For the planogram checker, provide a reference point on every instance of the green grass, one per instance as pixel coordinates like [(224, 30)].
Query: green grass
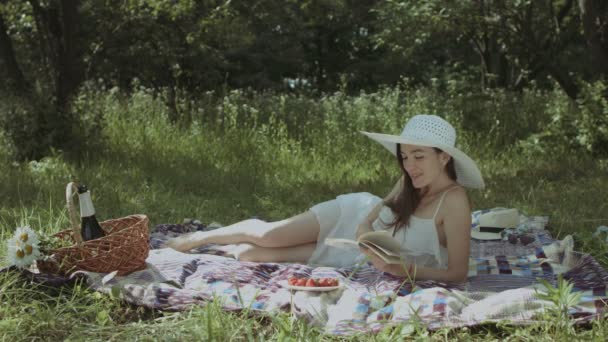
[(272, 156)]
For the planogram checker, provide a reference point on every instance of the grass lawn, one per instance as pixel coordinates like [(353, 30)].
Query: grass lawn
[(271, 157)]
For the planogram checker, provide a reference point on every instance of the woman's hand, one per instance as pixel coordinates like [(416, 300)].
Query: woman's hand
[(376, 260), (399, 270), (362, 229)]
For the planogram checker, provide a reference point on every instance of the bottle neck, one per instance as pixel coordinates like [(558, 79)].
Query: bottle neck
[(86, 205)]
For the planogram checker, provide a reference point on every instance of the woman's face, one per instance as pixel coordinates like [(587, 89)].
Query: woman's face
[(423, 164)]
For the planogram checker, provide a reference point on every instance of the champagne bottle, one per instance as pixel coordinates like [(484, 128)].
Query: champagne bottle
[(90, 228)]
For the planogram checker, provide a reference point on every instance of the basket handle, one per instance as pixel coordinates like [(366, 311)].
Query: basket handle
[(70, 191)]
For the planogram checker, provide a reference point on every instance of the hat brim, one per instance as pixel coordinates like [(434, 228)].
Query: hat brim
[(485, 235), (467, 172)]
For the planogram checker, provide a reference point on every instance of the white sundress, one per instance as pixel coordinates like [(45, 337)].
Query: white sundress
[(420, 242)]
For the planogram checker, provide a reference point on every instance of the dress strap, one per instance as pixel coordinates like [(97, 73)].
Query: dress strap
[(441, 200)]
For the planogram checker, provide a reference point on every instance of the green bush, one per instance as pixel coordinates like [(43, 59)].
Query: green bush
[(592, 124), (578, 126), (25, 125)]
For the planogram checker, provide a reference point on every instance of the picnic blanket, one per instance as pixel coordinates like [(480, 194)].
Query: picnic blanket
[(502, 285)]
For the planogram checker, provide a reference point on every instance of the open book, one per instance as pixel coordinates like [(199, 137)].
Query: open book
[(381, 243)]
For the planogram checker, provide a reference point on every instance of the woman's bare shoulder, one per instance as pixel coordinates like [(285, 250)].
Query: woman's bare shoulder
[(456, 211), (457, 199)]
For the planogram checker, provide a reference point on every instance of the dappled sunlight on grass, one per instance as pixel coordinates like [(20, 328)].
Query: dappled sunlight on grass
[(274, 156)]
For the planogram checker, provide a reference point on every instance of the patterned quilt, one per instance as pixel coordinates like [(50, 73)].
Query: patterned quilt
[(503, 284)]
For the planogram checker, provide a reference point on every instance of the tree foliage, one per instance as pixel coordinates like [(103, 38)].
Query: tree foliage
[(49, 48), (202, 45)]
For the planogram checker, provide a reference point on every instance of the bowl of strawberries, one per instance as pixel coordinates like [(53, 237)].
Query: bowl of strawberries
[(313, 284)]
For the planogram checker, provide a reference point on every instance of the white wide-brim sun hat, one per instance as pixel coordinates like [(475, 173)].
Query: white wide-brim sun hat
[(433, 131), (491, 224)]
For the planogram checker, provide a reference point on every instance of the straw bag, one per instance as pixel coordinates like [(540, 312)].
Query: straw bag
[(124, 248)]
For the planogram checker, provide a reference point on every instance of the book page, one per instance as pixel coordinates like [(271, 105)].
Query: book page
[(341, 243), (386, 255), (389, 259), (383, 240)]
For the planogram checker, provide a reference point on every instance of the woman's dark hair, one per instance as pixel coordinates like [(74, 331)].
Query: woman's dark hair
[(407, 200)]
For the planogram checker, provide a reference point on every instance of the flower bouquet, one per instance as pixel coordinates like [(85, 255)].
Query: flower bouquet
[(23, 248), (26, 247)]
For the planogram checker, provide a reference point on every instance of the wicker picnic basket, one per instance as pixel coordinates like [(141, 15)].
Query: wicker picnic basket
[(124, 248)]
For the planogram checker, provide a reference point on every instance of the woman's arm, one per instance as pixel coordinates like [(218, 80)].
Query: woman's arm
[(366, 225), (457, 226)]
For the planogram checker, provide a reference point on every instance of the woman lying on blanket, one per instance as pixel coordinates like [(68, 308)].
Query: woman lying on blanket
[(428, 210)]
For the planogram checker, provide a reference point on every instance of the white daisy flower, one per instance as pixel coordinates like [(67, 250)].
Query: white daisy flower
[(23, 247), (27, 235)]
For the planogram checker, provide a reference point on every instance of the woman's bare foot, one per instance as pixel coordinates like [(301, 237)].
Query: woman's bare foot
[(185, 242)]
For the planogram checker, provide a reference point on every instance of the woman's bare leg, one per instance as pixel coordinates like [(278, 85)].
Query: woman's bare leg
[(297, 230), (250, 252)]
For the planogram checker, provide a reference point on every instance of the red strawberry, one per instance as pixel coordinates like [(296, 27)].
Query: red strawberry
[(292, 281), (311, 283), (323, 282), (301, 282), (333, 282)]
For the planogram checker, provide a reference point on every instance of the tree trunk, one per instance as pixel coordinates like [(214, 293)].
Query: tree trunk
[(67, 64), (483, 49), (320, 58), (50, 125), (594, 15), (8, 63), (58, 27), (564, 79)]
